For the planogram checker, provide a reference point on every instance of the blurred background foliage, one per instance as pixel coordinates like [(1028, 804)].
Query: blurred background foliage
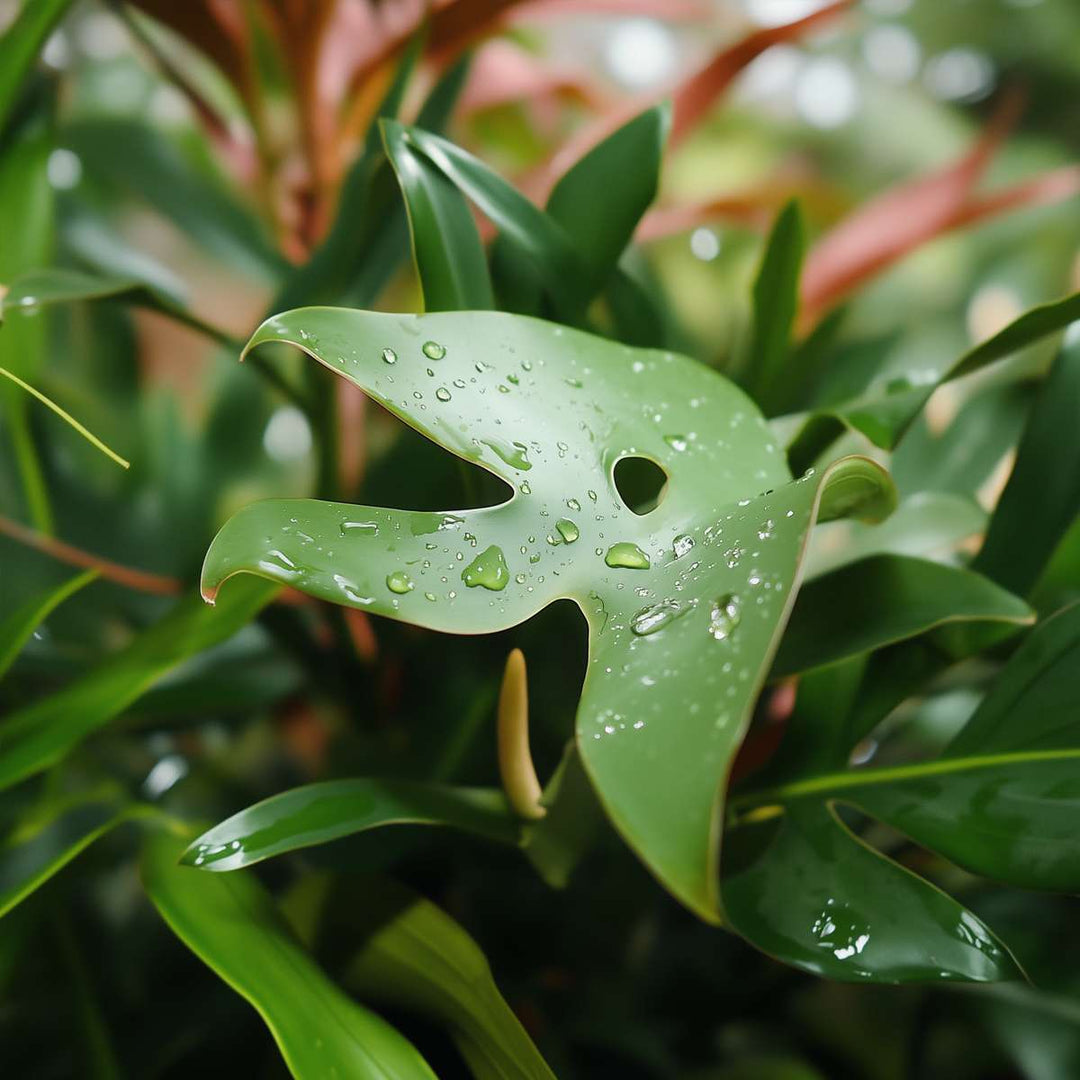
[(204, 149)]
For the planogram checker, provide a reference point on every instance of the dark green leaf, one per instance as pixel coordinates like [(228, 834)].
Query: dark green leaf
[(230, 922), (1042, 498), (35, 737), (20, 44)]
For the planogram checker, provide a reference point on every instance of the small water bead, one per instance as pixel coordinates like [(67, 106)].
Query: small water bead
[(592, 495), (488, 570), (626, 556), (682, 545), (430, 596), (442, 394), (656, 616), (512, 378), (389, 356), (363, 528), (573, 504), (525, 489), (519, 578), (575, 383), (515, 454), (567, 530), (433, 350), (399, 582), (459, 383), (724, 616), (676, 442), (534, 557)]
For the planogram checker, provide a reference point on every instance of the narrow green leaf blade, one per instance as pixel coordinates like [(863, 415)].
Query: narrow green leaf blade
[(230, 922), (446, 245), (885, 599), (319, 813), (35, 737), (20, 45), (18, 625)]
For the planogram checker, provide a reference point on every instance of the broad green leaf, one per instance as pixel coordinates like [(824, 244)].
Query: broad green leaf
[(35, 737), (929, 524), (27, 213), (20, 44), (42, 846), (414, 957), (885, 413), (17, 626), (231, 923), (1042, 498), (318, 813), (776, 301), (447, 250), (814, 895), (884, 599), (1001, 801), (684, 605), (57, 285)]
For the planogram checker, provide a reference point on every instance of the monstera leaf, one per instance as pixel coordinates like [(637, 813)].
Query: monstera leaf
[(685, 604)]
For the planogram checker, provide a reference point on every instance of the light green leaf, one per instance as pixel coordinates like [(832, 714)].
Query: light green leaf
[(685, 604), (231, 923)]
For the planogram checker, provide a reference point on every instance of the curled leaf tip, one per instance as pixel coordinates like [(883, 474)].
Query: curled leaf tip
[(523, 790)]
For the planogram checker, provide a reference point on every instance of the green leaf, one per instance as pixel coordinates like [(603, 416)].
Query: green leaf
[(808, 891), (884, 599), (1041, 501), (35, 737), (1001, 801), (776, 302), (685, 605), (562, 269), (20, 44), (231, 923), (43, 288), (17, 626), (27, 225), (883, 414), (318, 813), (414, 957), (446, 245), (601, 198), (44, 844)]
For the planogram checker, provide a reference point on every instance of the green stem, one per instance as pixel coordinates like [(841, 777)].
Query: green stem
[(827, 783)]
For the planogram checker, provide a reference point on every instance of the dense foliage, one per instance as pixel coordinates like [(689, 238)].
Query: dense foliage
[(556, 649)]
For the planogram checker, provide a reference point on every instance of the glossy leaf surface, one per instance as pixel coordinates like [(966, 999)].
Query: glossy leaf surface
[(39, 735), (20, 44), (684, 604), (318, 813), (882, 600), (231, 923)]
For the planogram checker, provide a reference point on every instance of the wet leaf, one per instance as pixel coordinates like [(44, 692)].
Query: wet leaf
[(685, 604), (319, 813)]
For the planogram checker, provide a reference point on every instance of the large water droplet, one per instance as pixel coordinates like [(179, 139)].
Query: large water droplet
[(488, 569), (724, 616), (433, 350), (573, 504), (442, 394), (656, 616), (389, 356), (567, 530), (399, 582), (362, 528), (626, 556), (682, 545)]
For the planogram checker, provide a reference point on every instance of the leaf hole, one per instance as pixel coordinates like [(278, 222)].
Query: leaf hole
[(641, 483)]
